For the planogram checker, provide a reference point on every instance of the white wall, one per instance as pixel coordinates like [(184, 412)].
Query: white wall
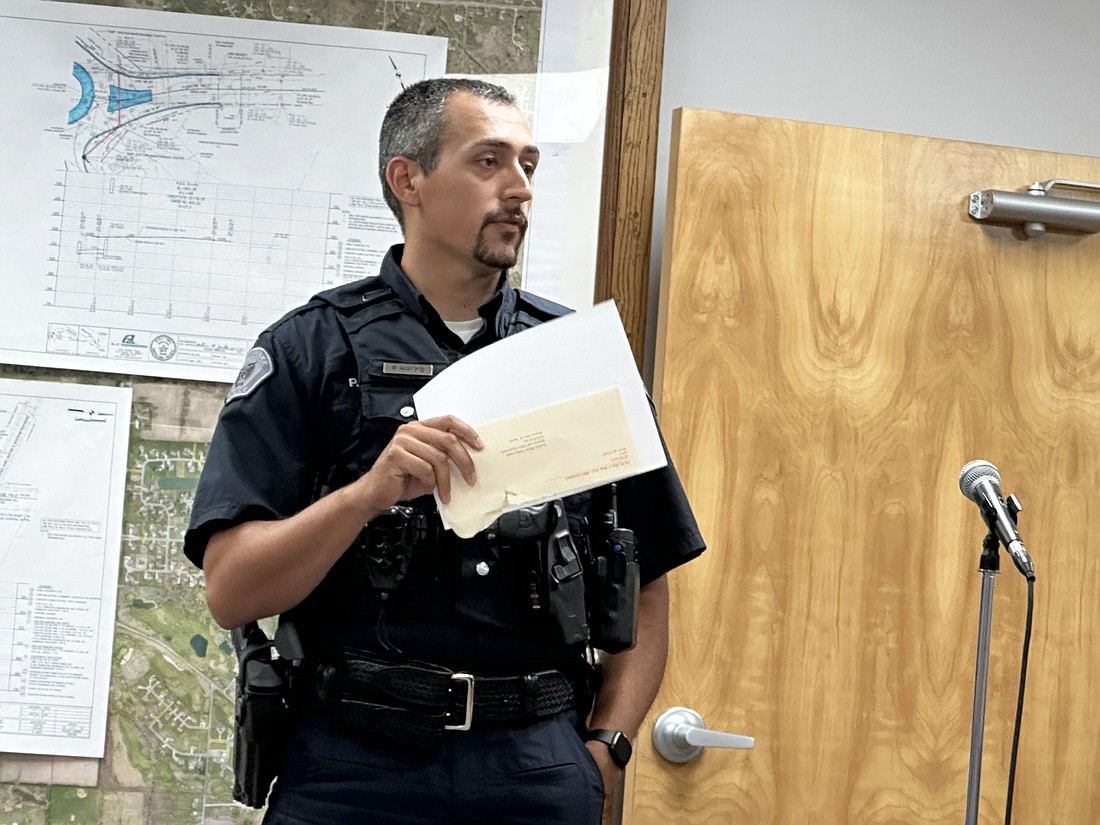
[(1020, 73)]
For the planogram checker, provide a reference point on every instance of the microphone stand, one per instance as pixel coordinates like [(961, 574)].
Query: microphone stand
[(989, 566)]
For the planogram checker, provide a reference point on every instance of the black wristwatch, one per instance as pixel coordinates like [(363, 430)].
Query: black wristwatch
[(616, 742)]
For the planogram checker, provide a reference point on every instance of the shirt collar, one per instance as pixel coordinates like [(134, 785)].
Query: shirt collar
[(497, 311)]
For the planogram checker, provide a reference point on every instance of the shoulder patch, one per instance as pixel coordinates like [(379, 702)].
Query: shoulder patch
[(258, 367)]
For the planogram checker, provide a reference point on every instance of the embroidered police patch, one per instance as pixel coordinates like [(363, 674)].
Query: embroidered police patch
[(258, 367)]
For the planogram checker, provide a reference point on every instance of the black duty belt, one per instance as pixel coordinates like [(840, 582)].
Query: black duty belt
[(414, 704)]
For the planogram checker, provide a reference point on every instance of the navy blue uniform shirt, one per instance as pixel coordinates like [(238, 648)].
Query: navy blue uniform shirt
[(303, 419)]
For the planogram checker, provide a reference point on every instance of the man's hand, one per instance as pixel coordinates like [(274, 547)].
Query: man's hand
[(415, 462), (609, 772), (418, 459)]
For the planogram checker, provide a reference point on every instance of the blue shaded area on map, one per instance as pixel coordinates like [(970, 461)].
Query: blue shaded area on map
[(87, 94), (119, 98)]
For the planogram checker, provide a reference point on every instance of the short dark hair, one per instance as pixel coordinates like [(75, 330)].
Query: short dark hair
[(414, 124)]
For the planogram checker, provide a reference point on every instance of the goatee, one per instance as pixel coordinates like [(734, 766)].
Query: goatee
[(500, 257)]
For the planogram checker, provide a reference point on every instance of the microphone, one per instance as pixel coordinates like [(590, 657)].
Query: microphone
[(980, 482)]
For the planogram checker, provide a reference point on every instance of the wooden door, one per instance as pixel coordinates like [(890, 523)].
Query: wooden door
[(837, 338)]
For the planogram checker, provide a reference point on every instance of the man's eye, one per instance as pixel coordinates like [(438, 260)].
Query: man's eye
[(529, 169), (488, 161)]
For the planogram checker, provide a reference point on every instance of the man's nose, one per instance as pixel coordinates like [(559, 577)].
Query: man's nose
[(518, 184)]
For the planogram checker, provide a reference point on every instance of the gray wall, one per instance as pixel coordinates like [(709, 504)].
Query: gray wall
[(1020, 73)]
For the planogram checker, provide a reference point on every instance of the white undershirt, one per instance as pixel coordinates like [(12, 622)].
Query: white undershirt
[(466, 330)]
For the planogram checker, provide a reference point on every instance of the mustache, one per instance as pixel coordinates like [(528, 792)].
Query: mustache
[(509, 215)]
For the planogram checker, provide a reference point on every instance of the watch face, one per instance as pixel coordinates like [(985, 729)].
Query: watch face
[(617, 744), (621, 750)]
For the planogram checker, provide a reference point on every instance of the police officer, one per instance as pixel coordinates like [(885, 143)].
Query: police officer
[(315, 503)]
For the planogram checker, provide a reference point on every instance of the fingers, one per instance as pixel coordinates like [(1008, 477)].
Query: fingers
[(436, 443), (450, 424), (427, 461), (452, 436)]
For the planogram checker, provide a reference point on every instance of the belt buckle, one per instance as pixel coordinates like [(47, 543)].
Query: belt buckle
[(469, 680)]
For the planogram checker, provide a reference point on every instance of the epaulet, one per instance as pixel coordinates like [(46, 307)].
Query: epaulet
[(355, 295), (541, 309), (362, 300)]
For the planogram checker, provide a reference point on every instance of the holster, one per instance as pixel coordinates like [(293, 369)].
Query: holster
[(262, 718), (556, 585)]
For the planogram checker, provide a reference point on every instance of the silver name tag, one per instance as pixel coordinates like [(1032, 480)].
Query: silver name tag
[(407, 369)]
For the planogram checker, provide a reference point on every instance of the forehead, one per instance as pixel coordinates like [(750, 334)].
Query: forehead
[(471, 119)]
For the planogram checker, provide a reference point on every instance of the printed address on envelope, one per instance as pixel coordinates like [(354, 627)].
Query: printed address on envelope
[(542, 454)]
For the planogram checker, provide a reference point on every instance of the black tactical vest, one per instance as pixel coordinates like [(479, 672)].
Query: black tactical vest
[(396, 355)]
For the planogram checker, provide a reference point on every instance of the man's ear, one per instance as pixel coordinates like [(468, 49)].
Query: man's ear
[(403, 176)]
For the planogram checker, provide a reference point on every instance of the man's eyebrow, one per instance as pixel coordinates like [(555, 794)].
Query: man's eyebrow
[(489, 143)]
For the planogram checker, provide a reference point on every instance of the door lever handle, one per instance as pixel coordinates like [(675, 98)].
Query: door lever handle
[(679, 735)]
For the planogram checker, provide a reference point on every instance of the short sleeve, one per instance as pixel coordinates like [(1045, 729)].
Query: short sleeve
[(655, 506), (257, 465)]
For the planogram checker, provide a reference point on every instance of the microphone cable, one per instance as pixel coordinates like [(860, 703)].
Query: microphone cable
[(1020, 700)]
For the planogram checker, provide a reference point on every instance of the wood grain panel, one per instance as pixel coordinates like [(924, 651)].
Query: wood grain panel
[(629, 164), (836, 339)]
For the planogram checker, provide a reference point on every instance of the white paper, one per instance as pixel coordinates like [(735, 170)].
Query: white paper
[(176, 182), (62, 481), (580, 355)]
